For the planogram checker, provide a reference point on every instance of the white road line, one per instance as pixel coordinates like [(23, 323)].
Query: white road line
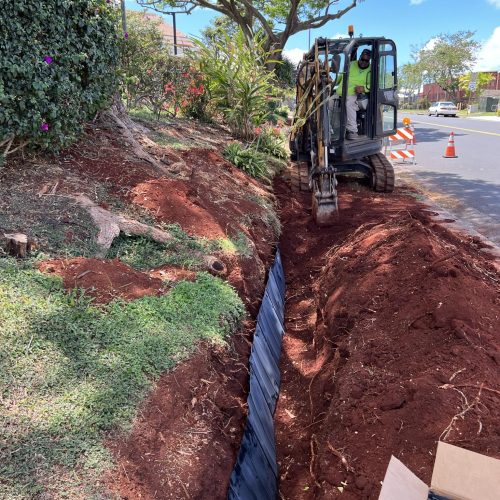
[(458, 128)]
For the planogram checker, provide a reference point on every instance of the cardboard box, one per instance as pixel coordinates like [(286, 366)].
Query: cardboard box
[(458, 474)]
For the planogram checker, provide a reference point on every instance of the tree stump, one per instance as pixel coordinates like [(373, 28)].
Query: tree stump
[(18, 244)]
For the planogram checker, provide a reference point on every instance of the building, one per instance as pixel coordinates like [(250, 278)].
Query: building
[(183, 42), (434, 92)]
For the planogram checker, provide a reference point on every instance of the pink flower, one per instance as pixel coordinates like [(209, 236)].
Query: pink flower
[(257, 130), (276, 131), (44, 127)]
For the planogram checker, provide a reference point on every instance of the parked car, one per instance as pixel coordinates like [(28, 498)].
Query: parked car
[(444, 108)]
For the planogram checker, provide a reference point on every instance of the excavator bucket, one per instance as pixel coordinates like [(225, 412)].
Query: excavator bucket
[(324, 200)]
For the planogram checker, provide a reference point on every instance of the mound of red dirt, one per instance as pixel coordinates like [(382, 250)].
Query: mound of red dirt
[(105, 280), (392, 332)]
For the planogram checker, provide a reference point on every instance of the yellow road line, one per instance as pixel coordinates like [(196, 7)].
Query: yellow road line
[(459, 128)]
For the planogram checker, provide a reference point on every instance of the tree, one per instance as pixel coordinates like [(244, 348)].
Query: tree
[(218, 29), (278, 19), (448, 57), (410, 79), (482, 81)]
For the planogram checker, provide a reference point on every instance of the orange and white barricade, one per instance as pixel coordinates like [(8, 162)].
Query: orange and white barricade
[(397, 146)]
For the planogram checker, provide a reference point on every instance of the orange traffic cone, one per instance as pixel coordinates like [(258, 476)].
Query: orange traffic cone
[(450, 149)]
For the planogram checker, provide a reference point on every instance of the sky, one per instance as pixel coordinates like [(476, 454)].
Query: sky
[(410, 23)]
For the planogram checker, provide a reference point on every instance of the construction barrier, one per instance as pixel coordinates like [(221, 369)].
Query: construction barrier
[(404, 136), (255, 474)]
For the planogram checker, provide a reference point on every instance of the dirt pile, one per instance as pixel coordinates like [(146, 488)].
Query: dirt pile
[(393, 332)]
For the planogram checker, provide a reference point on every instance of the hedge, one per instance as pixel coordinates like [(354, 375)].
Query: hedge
[(58, 62)]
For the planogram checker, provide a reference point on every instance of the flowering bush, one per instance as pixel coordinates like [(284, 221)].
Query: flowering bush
[(270, 140), (57, 68), (152, 77)]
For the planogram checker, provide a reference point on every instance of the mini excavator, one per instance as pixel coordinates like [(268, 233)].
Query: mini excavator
[(319, 148)]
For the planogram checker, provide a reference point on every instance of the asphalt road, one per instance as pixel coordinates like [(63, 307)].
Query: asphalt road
[(468, 186)]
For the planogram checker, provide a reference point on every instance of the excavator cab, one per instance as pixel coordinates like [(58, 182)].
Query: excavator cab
[(320, 146)]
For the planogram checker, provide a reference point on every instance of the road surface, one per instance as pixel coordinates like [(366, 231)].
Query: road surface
[(468, 186)]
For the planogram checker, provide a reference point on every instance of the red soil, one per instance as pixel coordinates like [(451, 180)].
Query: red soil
[(392, 329)]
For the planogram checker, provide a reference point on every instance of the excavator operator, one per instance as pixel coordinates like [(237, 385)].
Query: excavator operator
[(358, 84)]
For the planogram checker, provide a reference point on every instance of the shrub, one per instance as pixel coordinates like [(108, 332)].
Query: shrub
[(248, 159), (156, 79), (237, 80), (57, 69), (270, 140), (137, 52)]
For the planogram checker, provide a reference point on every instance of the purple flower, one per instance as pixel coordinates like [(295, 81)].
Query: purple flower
[(44, 126), (48, 59), (126, 35)]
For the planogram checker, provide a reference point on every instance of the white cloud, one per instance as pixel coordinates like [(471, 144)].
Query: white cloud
[(431, 44), (495, 3), (418, 2), (489, 55), (295, 55)]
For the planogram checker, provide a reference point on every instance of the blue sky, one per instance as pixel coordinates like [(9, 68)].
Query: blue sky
[(408, 22)]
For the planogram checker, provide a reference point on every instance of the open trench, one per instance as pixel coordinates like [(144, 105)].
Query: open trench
[(382, 310)]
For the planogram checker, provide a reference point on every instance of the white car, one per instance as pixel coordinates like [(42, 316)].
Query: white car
[(444, 108)]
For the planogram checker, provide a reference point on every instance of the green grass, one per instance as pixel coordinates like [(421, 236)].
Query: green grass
[(71, 372), (147, 115), (186, 251), (59, 229), (164, 139)]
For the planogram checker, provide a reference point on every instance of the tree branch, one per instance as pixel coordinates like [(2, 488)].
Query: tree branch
[(320, 21), (291, 21), (265, 25)]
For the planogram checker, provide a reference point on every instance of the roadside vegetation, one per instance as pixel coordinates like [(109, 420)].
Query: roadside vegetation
[(71, 371), (446, 60)]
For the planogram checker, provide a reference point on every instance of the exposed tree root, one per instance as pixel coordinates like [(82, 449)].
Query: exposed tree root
[(110, 225), (126, 127), (135, 135)]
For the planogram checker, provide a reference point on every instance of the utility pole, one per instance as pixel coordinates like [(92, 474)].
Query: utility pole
[(175, 32), (124, 19)]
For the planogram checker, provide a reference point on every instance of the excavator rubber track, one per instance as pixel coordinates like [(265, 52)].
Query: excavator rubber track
[(299, 175), (383, 173)]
